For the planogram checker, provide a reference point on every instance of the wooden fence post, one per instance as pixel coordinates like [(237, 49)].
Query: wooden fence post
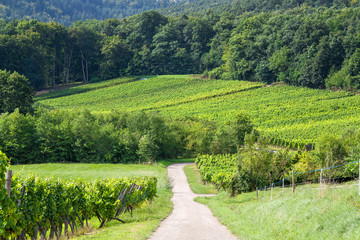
[(264, 192), (293, 181), (272, 187), (8, 182), (257, 194), (283, 185)]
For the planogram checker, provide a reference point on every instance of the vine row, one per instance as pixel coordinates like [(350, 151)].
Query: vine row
[(49, 208)]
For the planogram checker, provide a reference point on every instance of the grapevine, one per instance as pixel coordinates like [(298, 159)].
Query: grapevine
[(51, 208)]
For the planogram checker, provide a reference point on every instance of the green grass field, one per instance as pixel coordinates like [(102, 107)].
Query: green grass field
[(286, 114), (306, 214), (195, 182), (144, 221)]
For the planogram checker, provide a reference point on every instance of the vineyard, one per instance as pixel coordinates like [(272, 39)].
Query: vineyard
[(217, 169), (146, 94), (35, 207), (289, 116), (318, 203)]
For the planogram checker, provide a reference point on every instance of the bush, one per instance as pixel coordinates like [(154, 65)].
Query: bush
[(148, 150), (19, 137), (216, 73)]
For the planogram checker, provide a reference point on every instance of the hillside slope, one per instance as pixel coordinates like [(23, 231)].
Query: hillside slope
[(68, 11), (288, 115)]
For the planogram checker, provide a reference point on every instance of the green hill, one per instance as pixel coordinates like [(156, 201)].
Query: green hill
[(288, 115), (68, 11)]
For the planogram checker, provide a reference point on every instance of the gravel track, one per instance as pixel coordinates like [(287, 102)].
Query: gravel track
[(189, 220)]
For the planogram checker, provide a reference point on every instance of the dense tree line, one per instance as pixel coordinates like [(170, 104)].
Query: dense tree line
[(239, 7), (305, 46), (116, 137), (68, 11), (49, 53)]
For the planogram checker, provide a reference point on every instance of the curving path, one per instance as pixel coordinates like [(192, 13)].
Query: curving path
[(189, 220)]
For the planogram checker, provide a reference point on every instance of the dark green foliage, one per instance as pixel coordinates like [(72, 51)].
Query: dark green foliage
[(15, 92), (302, 46), (19, 137), (82, 136), (116, 58), (263, 73), (230, 136), (69, 11), (298, 45)]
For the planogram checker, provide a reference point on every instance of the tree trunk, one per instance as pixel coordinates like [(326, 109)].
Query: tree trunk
[(68, 67), (58, 231), (66, 227), (54, 67), (83, 60), (64, 67), (22, 236), (87, 70), (52, 232), (35, 234), (42, 233)]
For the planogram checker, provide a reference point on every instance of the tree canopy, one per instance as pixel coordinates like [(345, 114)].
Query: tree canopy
[(15, 92), (303, 46)]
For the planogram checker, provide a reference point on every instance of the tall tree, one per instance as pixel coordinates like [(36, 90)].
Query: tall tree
[(15, 92)]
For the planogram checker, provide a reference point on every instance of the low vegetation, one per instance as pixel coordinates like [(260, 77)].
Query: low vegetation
[(197, 185), (256, 165), (303, 215), (141, 223)]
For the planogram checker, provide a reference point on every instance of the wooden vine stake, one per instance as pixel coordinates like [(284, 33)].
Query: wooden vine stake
[(8, 182)]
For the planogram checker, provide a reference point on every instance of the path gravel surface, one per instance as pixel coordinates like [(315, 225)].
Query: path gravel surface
[(189, 220)]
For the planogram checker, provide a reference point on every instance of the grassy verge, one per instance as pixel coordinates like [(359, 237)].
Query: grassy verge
[(195, 182), (304, 215), (144, 220)]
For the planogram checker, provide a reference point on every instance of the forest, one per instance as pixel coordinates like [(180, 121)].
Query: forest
[(68, 11), (302, 46)]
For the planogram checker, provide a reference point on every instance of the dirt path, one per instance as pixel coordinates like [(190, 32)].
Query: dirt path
[(189, 220)]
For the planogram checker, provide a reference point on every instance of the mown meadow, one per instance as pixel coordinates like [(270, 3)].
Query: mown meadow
[(288, 115)]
